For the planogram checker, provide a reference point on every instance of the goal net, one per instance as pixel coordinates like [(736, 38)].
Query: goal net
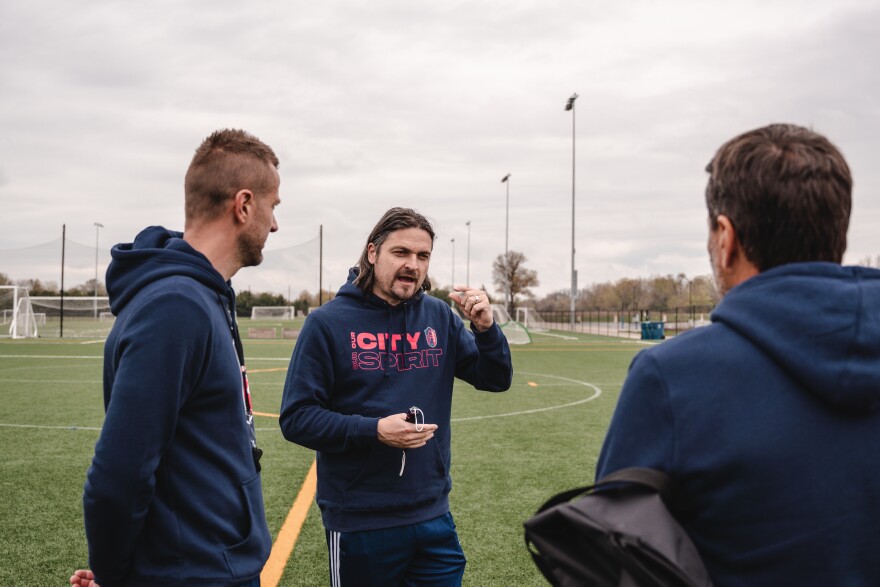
[(74, 306), (515, 332), (276, 312), (17, 313), (531, 319), (84, 316)]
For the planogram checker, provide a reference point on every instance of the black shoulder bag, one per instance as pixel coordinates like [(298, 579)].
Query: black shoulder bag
[(620, 533)]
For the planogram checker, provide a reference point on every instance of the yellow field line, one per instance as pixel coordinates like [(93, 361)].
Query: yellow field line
[(266, 414), (267, 370), (286, 539)]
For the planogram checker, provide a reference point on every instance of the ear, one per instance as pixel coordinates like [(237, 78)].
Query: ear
[(726, 242), (734, 265), (243, 205), (372, 253)]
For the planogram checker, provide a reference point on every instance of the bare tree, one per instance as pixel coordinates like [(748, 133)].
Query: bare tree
[(511, 276), (869, 262)]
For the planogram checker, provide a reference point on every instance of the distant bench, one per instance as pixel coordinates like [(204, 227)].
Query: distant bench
[(261, 333), (270, 333)]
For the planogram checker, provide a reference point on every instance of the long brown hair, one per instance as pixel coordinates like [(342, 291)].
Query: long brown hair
[(393, 220)]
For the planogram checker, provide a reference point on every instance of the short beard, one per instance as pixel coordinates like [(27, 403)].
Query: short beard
[(250, 251)]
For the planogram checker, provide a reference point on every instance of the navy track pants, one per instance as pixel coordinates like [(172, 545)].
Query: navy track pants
[(423, 554)]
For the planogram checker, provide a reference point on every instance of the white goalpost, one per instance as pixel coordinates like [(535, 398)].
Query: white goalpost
[(17, 312), (531, 319), (515, 332), (276, 312)]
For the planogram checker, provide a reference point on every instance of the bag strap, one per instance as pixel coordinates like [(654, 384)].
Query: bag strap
[(651, 478)]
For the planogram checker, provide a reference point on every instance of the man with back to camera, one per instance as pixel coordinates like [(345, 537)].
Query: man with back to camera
[(173, 496), (768, 418), (362, 360)]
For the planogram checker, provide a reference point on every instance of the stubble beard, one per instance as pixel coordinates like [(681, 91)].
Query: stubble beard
[(716, 275), (403, 298), (250, 250)]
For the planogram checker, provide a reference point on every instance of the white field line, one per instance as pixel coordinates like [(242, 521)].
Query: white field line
[(596, 393)]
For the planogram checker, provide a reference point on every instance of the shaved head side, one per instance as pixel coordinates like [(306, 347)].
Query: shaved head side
[(227, 161)]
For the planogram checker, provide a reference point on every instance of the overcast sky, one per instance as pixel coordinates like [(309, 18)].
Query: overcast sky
[(428, 105)]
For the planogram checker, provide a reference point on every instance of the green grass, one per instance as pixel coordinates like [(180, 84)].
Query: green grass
[(504, 467)]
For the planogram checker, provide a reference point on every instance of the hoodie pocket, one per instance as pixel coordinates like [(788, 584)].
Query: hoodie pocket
[(247, 558), (379, 486)]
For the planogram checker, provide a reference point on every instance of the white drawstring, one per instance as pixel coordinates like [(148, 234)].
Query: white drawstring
[(415, 412), (419, 427)]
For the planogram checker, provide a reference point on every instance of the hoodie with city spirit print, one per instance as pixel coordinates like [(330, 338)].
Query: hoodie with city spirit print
[(359, 359)]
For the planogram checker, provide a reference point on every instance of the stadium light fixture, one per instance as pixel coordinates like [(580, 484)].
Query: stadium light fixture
[(570, 106)]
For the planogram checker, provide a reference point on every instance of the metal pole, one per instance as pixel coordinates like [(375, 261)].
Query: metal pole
[(507, 300), (691, 294), (506, 219), (98, 226), (570, 106), (63, 245), (453, 263), (468, 274)]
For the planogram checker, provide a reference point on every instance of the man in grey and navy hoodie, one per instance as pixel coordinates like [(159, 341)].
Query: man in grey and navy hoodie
[(769, 418), (361, 362), (173, 496)]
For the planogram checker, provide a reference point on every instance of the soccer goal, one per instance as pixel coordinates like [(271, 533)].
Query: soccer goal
[(85, 307), (531, 319), (515, 332), (273, 312), (17, 312)]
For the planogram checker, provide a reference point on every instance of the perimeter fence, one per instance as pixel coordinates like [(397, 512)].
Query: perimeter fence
[(626, 323)]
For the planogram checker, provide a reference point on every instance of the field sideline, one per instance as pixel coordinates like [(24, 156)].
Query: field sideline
[(510, 452)]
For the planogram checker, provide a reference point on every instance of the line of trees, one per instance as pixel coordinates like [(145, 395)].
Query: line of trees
[(644, 293), (50, 288), (511, 277)]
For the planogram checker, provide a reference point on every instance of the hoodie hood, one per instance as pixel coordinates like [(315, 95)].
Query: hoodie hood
[(157, 253), (821, 322)]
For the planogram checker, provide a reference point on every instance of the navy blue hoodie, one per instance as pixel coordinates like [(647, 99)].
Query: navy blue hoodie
[(173, 496), (769, 418), (359, 359)]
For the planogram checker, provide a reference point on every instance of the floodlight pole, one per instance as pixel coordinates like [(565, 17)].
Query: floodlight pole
[(453, 263), (468, 274), (63, 248), (570, 106), (98, 226), (507, 300), (691, 299)]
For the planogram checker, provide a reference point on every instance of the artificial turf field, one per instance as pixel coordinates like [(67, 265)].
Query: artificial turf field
[(510, 452)]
